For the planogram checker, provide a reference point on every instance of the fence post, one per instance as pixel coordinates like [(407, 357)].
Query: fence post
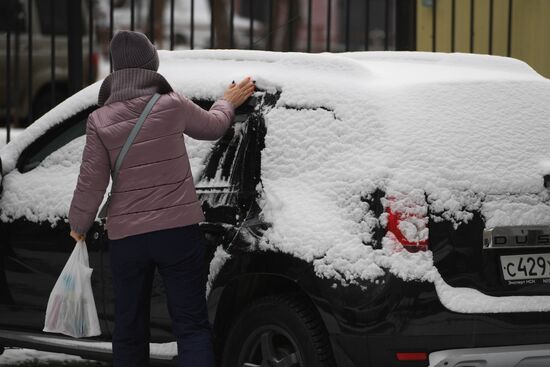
[(30, 59), (8, 82), (405, 25), (74, 36)]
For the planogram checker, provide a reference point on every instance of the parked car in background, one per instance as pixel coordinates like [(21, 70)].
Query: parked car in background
[(364, 209), (202, 18), (43, 24)]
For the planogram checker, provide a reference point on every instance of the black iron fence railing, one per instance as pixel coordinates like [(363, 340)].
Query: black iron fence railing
[(52, 48)]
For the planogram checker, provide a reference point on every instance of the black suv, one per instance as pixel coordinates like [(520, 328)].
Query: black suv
[(267, 308)]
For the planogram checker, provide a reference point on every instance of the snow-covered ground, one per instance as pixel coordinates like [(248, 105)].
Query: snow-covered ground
[(30, 357)]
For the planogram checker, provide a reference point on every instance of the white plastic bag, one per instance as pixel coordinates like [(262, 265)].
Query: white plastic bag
[(71, 308)]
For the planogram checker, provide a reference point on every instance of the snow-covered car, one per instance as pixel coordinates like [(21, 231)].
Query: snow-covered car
[(365, 209)]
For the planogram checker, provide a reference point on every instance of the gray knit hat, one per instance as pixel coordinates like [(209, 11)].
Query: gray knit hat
[(133, 50)]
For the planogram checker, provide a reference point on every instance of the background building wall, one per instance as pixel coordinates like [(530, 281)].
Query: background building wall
[(529, 36)]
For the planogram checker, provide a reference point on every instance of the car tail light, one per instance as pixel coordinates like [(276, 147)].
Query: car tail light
[(407, 222), (417, 356)]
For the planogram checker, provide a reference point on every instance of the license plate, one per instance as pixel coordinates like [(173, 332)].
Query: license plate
[(523, 268)]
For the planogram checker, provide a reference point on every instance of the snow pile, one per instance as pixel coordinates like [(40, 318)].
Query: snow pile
[(468, 300), (16, 356), (401, 68), (445, 134), (510, 210), (156, 350)]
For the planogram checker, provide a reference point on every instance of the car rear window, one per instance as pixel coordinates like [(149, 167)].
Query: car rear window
[(52, 140)]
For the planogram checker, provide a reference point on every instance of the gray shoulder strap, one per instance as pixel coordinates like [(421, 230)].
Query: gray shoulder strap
[(133, 135)]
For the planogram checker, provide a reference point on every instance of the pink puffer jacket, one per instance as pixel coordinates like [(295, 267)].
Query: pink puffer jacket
[(155, 187)]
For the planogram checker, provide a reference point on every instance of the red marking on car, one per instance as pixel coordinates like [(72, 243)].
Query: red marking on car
[(396, 217)]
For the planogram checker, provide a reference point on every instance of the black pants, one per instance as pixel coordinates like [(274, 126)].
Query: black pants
[(179, 255)]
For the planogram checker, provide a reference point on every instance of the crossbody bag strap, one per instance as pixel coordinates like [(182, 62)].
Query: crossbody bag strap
[(103, 211), (132, 136)]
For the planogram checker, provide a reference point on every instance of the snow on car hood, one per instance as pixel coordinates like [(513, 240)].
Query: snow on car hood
[(451, 129)]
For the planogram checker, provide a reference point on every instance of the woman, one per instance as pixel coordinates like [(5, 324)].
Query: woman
[(154, 210)]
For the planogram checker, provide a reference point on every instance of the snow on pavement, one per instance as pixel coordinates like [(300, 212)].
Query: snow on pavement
[(15, 356)]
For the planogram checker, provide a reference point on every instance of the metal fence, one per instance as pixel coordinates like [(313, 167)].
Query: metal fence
[(472, 18), (55, 47)]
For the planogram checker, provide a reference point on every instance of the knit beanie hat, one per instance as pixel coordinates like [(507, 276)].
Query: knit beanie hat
[(133, 50)]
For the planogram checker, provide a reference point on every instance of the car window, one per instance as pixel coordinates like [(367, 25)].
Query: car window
[(8, 22), (52, 140), (227, 184), (225, 159), (222, 158), (219, 185)]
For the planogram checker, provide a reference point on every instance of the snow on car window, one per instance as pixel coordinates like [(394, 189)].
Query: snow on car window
[(68, 155), (197, 151), (63, 111), (45, 192)]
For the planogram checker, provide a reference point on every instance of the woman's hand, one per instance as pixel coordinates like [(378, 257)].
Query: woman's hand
[(238, 93), (78, 236)]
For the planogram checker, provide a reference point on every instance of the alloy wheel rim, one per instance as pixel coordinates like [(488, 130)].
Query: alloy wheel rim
[(270, 346)]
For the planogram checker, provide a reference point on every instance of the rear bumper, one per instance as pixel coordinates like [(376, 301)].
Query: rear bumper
[(513, 356), (412, 319)]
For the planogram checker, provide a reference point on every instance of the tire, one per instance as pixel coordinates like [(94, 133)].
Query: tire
[(278, 331)]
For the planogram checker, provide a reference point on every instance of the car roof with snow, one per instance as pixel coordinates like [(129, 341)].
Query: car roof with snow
[(312, 80), (452, 132)]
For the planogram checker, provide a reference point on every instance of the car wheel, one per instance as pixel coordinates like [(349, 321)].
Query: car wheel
[(277, 331)]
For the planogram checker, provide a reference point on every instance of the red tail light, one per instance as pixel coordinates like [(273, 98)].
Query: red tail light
[(407, 222), (419, 356)]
